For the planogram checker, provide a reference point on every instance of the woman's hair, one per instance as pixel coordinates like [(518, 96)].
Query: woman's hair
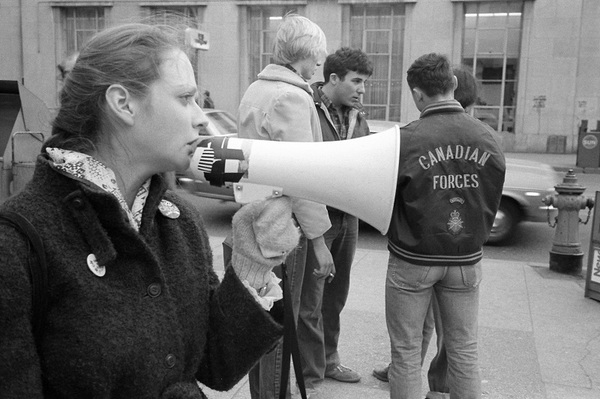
[(298, 38), (129, 55)]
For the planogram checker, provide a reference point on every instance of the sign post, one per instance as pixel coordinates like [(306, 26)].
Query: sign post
[(592, 281), (197, 39)]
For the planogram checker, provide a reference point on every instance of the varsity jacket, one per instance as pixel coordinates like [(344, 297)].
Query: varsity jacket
[(130, 314), (450, 180)]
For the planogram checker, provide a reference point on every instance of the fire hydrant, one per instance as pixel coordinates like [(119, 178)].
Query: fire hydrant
[(566, 255)]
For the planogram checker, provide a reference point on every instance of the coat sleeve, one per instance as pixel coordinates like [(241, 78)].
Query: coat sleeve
[(20, 371), (290, 120), (241, 332), (312, 217)]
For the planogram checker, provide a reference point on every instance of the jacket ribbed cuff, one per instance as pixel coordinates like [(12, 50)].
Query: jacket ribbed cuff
[(258, 275)]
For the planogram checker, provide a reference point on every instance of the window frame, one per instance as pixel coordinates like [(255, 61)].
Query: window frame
[(501, 110), (251, 46), (391, 111), (63, 31), (151, 12)]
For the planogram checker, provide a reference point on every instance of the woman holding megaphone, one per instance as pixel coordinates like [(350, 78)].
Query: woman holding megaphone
[(128, 304)]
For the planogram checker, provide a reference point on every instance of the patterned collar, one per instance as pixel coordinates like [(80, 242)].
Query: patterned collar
[(341, 124), (83, 166)]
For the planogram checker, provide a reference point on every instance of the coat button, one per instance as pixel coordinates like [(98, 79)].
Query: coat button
[(154, 290), (170, 360), (78, 203)]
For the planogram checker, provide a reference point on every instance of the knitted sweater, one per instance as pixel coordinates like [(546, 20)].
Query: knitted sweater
[(153, 323)]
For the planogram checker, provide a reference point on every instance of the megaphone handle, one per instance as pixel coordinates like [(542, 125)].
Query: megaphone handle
[(290, 342)]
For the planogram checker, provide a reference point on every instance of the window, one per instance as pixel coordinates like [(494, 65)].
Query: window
[(262, 26), (190, 16), (79, 24), (491, 46), (379, 31)]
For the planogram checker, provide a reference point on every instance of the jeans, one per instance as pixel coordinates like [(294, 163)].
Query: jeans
[(265, 377), (322, 302), (437, 375), (408, 294)]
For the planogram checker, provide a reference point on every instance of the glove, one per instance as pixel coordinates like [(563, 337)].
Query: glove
[(264, 234)]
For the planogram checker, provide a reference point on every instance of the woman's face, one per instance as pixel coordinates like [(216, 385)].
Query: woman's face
[(308, 67), (168, 127)]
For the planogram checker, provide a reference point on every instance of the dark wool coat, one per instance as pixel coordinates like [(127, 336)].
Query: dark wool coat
[(153, 324)]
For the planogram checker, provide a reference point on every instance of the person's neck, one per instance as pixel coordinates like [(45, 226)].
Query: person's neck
[(129, 175), (427, 100), (329, 91), (294, 67)]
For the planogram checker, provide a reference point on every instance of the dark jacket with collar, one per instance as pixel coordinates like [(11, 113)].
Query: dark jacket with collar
[(450, 180), (154, 323), (358, 126)]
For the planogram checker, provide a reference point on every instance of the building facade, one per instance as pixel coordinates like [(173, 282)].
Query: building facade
[(537, 61)]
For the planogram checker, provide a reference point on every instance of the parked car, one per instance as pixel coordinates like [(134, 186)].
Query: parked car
[(526, 184), (221, 123)]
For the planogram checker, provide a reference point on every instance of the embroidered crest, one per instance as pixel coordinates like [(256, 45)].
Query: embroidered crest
[(457, 199), (94, 266), (455, 223), (169, 209)]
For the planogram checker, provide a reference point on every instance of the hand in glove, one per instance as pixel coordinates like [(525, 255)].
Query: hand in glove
[(264, 234)]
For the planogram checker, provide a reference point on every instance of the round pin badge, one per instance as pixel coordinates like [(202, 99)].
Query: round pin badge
[(168, 209), (95, 267)]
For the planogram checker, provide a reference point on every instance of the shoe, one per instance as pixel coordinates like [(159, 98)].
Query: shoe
[(437, 395), (343, 374), (311, 393), (382, 373)]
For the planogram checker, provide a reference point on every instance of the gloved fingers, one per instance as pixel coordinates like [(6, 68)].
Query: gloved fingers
[(274, 228)]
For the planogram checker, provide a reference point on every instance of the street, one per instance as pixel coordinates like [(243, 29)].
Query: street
[(531, 243), (522, 316)]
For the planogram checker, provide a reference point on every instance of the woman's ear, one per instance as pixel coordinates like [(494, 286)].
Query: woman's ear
[(118, 100)]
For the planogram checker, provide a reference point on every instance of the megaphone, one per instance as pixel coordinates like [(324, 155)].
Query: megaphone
[(357, 176)]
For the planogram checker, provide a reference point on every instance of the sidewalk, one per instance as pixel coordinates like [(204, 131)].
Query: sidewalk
[(539, 336)]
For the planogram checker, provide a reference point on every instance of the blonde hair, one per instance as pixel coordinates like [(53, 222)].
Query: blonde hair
[(298, 38)]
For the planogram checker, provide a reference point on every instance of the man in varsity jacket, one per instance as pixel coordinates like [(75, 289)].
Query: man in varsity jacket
[(450, 182)]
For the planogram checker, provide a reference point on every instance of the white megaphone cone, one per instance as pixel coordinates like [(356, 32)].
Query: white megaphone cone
[(357, 176)]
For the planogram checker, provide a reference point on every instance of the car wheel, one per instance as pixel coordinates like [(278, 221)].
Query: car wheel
[(505, 222)]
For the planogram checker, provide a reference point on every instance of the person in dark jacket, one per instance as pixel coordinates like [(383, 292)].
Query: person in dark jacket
[(322, 301), (450, 180), (134, 308), (466, 94), (208, 102)]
